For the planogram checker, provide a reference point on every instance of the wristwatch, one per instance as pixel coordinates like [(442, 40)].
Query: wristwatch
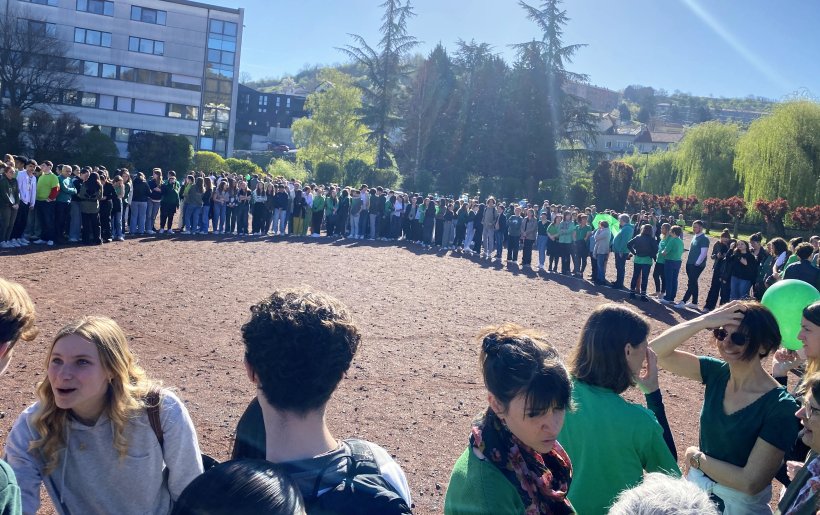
[(695, 460)]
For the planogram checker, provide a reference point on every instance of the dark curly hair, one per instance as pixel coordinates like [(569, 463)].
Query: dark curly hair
[(299, 344)]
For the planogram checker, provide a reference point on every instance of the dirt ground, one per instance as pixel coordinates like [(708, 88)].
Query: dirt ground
[(414, 386)]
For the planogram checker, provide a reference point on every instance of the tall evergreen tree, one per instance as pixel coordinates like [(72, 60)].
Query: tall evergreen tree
[(555, 116), (385, 68)]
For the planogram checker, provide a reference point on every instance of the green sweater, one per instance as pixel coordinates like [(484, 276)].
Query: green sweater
[(611, 442), (10, 502), (477, 487), (318, 203), (67, 189), (673, 250)]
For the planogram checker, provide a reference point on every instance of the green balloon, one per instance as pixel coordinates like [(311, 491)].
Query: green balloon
[(786, 300)]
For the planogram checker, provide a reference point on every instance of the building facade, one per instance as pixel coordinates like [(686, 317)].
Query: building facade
[(264, 120), (162, 66)]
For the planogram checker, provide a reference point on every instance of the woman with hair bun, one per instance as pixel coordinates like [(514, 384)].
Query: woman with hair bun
[(514, 463), (89, 438)]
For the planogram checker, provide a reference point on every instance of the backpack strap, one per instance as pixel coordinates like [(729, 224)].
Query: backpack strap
[(152, 403), (363, 461)]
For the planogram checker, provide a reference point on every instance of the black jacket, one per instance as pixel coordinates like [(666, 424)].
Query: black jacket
[(734, 268), (643, 246), (803, 271), (141, 190)]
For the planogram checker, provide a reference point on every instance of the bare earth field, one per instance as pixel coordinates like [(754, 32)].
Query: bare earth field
[(414, 386)]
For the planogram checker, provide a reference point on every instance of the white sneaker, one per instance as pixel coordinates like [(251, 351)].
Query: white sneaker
[(185, 232), (38, 241), (23, 242), (691, 305), (679, 305), (50, 243), (121, 238), (152, 232), (73, 240), (5, 245), (14, 244), (664, 301)]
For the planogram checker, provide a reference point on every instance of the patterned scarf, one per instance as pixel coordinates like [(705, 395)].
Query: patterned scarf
[(811, 487), (542, 480)]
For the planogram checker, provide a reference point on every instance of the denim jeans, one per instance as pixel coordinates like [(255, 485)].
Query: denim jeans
[(488, 240), (374, 225), (280, 220), (204, 218), (151, 216), (468, 235), (541, 243), (364, 219), (192, 214), (242, 218), (138, 211), (692, 275), (448, 233), (354, 226), (620, 267), (219, 216), (46, 212), (75, 222), (116, 225), (499, 243), (600, 261), (671, 270), (739, 288)]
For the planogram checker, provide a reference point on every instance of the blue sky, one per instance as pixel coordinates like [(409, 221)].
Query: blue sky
[(704, 47)]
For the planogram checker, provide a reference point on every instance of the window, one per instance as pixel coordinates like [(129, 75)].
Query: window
[(608, 144), (104, 7), (287, 102), (263, 100), (183, 111), (52, 3), (106, 102), (206, 143), (278, 100), (71, 97), (37, 28), (124, 104), (122, 135), (89, 100), (146, 46), (149, 107), (91, 69), (109, 71), (223, 27), (146, 15), (92, 37)]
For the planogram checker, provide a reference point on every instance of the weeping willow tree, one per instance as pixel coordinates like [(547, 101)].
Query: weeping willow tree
[(780, 155), (655, 172), (704, 161)]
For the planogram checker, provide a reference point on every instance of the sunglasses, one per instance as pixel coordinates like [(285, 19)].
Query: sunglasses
[(736, 338)]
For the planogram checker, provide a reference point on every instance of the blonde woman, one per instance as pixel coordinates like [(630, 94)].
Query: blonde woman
[(89, 438)]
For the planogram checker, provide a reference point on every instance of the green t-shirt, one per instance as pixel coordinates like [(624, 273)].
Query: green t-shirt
[(701, 241), (792, 259), (661, 259), (565, 232), (730, 438), (581, 232), (611, 443), (477, 487), (673, 248), (552, 229), (46, 183)]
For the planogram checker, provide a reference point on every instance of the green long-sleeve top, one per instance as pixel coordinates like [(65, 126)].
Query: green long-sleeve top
[(566, 232), (170, 194), (673, 250), (330, 205), (661, 259), (611, 442), (318, 203), (477, 487), (48, 186), (67, 189), (624, 235)]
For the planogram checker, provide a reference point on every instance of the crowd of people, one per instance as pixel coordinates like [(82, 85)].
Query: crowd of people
[(94, 206), (553, 439)]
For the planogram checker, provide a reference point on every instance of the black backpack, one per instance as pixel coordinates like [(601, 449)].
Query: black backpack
[(363, 491)]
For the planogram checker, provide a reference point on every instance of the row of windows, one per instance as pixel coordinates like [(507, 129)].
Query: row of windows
[(138, 75), (92, 37), (130, 105), (36, 27), (263, 100), (106, 8), (146, 46), (123, 135)]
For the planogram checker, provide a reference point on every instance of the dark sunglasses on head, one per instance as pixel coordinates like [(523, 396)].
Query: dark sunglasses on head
[(736, 338)]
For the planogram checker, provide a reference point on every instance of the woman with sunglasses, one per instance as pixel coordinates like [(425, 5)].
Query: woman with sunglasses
[(802, 495), (747, 423)]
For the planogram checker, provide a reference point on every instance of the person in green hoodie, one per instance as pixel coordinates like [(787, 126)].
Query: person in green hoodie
[(169, 203), (671, 253)]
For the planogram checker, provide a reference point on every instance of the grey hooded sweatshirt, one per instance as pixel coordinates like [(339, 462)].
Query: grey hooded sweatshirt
[(92, 479)]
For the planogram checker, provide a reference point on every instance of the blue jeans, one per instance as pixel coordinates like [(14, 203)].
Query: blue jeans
[(541, 243), (219, 216), (192, 214), (280, 220), (499, 243), (242, 218), (204, 218), (116, 225), (620, 267), (151, 215), (739, 288), (671, 269), (75, 222), (138, 212), (600, 261)]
